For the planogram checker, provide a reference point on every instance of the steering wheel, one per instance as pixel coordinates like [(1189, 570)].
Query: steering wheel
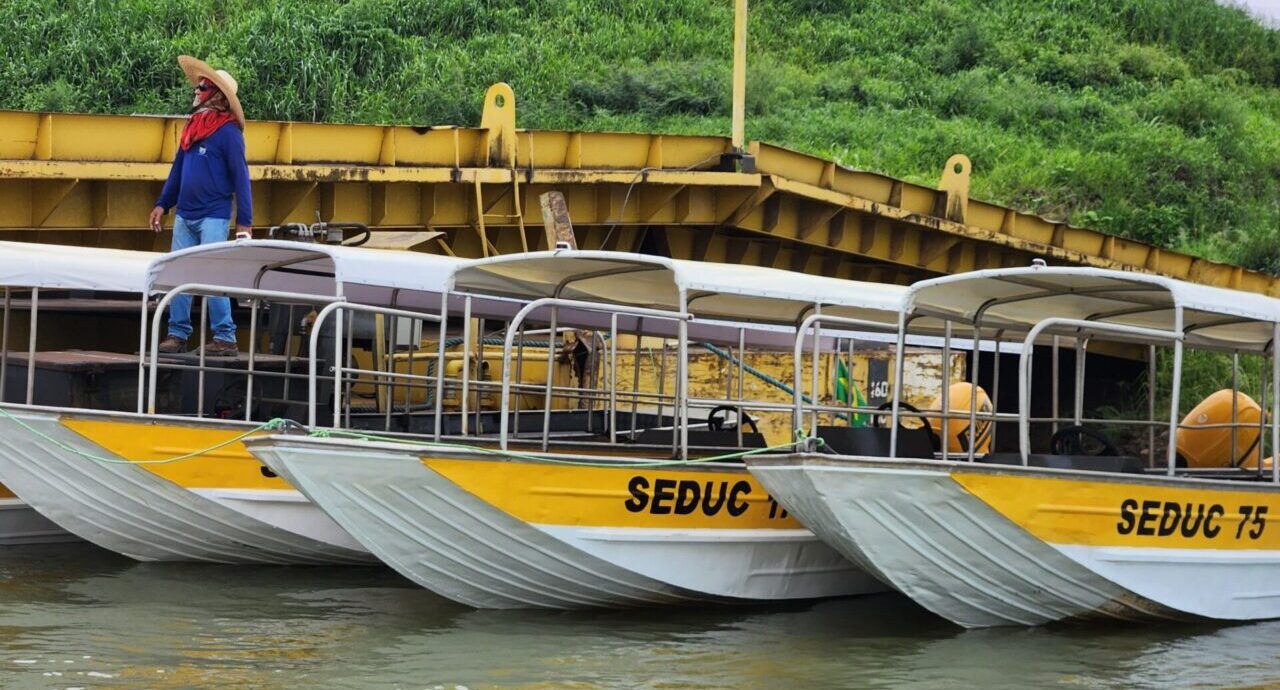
[(715, 422), (884, 406), (1069, 441), (888, 405)]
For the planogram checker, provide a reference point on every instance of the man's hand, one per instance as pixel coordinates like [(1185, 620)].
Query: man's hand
[(244, 232), (157, 213)]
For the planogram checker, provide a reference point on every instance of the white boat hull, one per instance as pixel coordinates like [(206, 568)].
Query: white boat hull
[(286, 510), (125, 508), (21, 524), (453, 542), (937, 532)]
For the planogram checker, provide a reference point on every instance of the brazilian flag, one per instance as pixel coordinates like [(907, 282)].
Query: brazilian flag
[(844, 386)]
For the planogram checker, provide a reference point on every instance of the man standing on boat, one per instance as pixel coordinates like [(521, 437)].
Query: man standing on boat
[(209, 169)]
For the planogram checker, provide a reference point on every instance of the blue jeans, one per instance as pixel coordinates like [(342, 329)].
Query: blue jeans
[(189, 233)]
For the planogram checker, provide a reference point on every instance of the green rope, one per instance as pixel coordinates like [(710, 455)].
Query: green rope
[(456, 341), (355, 435), (268, 426)]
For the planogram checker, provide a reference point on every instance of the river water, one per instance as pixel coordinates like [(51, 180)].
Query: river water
[(76, 617)]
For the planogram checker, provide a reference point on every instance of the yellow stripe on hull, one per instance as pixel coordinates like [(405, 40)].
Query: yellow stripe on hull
[(588, 496), (230, 467), (1124, 512)]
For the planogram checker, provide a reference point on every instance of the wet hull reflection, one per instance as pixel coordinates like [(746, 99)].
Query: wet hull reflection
[(74, 616)]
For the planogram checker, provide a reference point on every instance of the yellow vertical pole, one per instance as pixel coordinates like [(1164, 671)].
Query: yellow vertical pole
[(739, 73)]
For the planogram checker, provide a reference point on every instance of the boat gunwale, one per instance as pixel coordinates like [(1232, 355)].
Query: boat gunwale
[(851, 463), (430, 448)]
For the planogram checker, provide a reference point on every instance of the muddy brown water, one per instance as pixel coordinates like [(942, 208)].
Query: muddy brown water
[(72, 616)]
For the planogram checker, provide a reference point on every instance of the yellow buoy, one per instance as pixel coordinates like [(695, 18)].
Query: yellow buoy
[(1211, 447), (959, 396)]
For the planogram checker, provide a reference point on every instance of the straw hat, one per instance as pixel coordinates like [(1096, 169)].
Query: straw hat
[(196, 69)]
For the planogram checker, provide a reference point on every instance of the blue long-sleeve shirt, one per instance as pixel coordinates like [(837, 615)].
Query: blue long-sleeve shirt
[(204, 178)]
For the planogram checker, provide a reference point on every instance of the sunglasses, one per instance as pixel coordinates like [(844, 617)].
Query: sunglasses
[(204, 86)]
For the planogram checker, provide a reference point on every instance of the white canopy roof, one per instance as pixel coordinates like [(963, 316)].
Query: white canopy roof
[(715, 291), (55, 266), (1019, 298), (369, 276)]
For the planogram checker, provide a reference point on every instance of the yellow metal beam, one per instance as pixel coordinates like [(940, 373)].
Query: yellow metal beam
[(92, 179)]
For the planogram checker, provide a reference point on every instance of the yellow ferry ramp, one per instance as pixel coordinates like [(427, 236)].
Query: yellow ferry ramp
[(495, 531), (77, 469)]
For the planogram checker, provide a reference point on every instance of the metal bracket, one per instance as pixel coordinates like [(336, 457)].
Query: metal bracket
[(499, 119), (955, 185), (736, 162)]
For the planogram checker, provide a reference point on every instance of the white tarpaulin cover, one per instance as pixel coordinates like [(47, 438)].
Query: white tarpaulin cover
[(1022, 297), (55, 266), (368, 276), (714, 291)]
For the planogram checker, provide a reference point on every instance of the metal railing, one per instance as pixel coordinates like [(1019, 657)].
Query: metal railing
[(1083, 326), (205, 290), (336, 308), (516, 325), (814, 322)]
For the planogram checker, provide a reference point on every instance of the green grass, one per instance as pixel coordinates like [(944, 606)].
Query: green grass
[(1153, 119)]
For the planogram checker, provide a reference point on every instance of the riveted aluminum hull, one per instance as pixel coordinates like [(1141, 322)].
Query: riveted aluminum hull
[(454, 542), (928, 537), (125, 508)]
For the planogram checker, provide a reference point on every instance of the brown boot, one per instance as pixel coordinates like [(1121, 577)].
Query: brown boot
[(221, 348), (172, 345)]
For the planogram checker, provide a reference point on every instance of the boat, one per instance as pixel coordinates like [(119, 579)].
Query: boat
[(630, 516), (1071, 524), (172, 480), (60, 284)]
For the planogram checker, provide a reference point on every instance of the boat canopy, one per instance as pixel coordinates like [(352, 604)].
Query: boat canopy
[(368, 276), (60, 267), (724, 292), (1018, 298)]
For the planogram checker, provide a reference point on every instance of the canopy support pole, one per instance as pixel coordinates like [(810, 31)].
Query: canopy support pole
[(1235, 392), (142, 351), (31, 345), (4, 340), (1275, 403), (946, 391), (1151, 404), (1176, 382)]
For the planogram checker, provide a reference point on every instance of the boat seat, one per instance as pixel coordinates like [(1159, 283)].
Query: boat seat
[(725, 438), (1088, 463), (874, 441)]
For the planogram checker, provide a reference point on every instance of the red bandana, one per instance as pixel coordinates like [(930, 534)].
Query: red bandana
[(204, 122)]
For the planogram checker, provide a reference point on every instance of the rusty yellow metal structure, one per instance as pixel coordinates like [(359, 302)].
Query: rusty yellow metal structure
[(91, 179)]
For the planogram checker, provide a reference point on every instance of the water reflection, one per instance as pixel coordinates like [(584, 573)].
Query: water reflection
[(78, 617)]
